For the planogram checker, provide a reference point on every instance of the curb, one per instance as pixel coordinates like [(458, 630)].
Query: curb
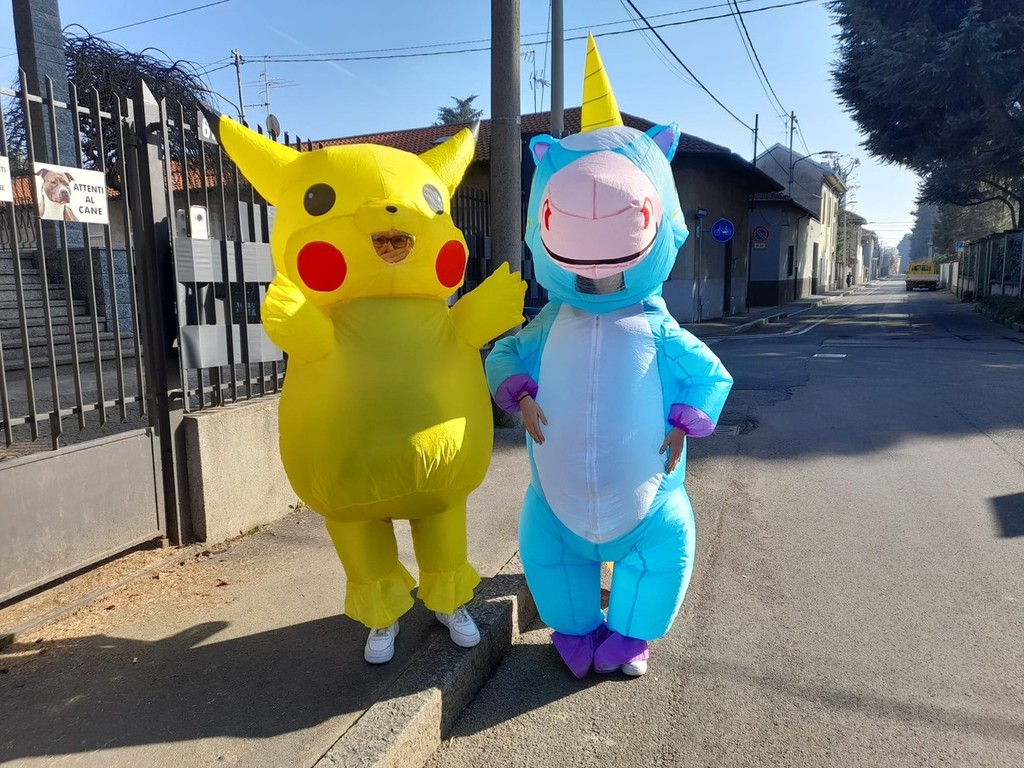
[(407, 726), (763, 321)]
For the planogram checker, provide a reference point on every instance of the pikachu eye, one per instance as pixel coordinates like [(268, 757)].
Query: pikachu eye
[(433, 198), (319, 199)]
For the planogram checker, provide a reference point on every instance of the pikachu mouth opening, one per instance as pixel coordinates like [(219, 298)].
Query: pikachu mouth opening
[(392, 246)]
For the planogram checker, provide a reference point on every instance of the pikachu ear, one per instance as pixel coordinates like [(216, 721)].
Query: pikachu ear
[(450, 159), (259, 159)]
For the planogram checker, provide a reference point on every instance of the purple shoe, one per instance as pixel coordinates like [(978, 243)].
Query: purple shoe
[(621, 652), (577, 651)]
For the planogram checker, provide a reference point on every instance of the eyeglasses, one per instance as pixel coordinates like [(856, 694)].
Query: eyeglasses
[(396, 241)]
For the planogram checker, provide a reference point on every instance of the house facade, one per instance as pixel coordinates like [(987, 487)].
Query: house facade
[(870, 255), (786, 255), (714, 184), (794, 234)]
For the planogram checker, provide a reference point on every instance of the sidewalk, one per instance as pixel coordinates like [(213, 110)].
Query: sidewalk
[(761, 316), (239, 653)]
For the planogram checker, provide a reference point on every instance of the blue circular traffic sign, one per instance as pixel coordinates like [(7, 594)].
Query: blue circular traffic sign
[(723, 230)]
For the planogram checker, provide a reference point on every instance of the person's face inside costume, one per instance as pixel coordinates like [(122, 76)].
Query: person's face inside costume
[(392, 246)]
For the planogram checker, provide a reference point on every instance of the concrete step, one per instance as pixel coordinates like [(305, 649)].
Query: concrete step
[(14, 358), (10, 327), (34, 291), (34, 309), (29, 275), (28, 262)]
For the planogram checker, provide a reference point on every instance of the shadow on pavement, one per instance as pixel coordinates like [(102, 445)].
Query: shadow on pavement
[(102, 692), (1009, 513)]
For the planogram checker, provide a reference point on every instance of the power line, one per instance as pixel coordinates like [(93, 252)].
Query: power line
[(656, 50), (688, 70), (165, 16), (748, 48), (750, 43), (217, 69), (358, 55)]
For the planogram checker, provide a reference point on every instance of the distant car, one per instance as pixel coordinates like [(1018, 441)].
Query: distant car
[(923, 274)]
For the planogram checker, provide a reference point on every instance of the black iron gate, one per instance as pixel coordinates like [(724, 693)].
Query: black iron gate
[(110, 332)]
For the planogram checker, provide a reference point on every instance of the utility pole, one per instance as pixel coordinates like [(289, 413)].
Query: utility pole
[(792, 130), (506, 137), (239, 61), (754, 161), (557, 70)]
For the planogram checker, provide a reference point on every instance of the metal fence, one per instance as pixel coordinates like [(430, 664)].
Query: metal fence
[(221, 269), (69, 341), (992, 266)]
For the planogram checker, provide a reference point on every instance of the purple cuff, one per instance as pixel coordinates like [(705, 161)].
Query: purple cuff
[(507, 396), (693, 421)]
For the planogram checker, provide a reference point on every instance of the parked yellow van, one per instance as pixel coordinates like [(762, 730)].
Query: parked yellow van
[(923, 274)]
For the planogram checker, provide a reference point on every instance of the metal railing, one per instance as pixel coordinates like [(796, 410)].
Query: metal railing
[(69, 344), (992, 266)]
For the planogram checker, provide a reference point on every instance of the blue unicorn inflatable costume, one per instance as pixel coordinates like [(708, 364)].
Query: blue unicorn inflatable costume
[(607, 382)]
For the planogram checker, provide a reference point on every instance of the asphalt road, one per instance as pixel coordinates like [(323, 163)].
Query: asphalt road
[(858, 598)]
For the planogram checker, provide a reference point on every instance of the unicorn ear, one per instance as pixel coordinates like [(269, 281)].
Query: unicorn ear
[(539, 146), (666, 137)]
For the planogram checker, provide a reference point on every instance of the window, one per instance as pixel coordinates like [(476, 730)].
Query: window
[(789, 262)]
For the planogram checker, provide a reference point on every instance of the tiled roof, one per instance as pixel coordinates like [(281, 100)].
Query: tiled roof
[(419, 140)]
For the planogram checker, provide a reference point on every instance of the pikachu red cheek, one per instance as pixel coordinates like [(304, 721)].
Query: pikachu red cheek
[(321, 266), (451, 263)]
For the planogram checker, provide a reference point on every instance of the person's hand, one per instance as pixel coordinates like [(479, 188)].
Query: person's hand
[(533, 417), (674, 444)]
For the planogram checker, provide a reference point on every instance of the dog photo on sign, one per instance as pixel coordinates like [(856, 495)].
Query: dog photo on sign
[(70, 194), (53, 193)]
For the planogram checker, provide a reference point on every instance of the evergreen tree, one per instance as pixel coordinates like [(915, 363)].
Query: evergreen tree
[(903, 249), (938, 86), (921, 234), (956, 222), (462, 112)]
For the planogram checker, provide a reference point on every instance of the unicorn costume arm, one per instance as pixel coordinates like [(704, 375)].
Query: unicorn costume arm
[(695, 383), (513, 363)]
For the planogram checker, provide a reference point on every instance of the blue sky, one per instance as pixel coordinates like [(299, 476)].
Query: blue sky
[(357, 94)]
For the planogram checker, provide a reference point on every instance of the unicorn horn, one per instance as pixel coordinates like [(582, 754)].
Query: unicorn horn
[(599, 107)]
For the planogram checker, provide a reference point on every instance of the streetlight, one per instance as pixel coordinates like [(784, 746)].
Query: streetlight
[(792, 163)]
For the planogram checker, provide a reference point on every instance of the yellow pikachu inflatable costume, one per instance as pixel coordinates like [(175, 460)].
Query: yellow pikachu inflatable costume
[(385, 411)]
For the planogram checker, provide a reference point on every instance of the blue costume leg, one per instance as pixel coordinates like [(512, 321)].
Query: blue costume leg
[(565, 585), (649, 583)]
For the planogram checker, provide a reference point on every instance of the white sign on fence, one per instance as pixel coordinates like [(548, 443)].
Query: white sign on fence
[(6, 188), (70, 194)]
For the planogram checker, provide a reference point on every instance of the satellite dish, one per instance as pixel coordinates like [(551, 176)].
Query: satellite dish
[(273, 127)]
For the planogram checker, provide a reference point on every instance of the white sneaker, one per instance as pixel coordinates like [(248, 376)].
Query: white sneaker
[(461, 627), (380, 645), (635, 668)]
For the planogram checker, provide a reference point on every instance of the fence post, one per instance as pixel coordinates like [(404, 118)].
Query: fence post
[(157, 315)]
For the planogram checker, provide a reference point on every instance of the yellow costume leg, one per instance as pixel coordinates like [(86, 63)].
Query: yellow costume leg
[(378, 585), (447, 579)]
